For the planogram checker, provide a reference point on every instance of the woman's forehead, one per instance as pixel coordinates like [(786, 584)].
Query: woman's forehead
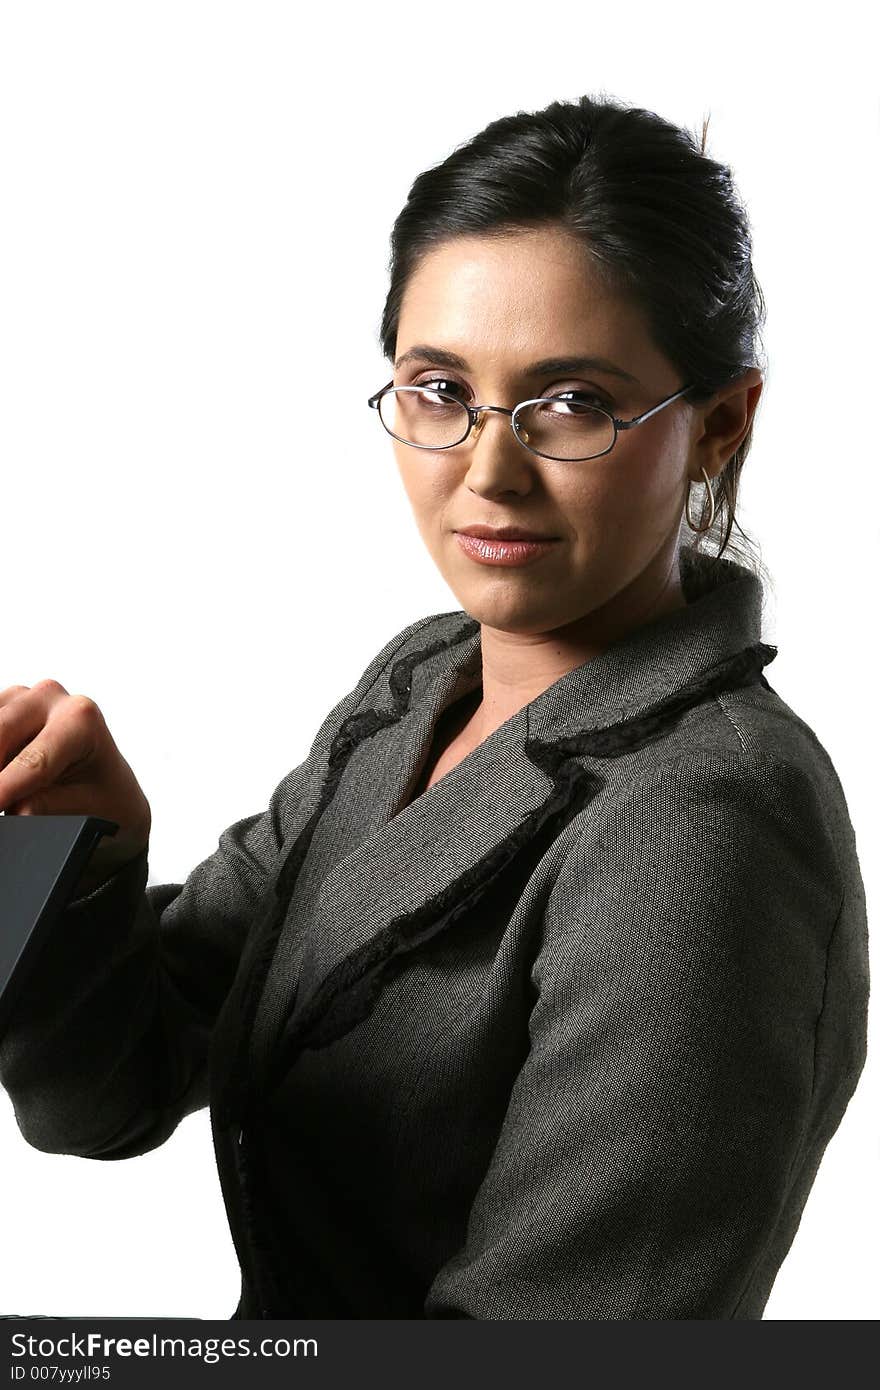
[(518, 267), (533, 292)]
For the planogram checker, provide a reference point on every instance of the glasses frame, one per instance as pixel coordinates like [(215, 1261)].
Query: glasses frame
[(474, 414)]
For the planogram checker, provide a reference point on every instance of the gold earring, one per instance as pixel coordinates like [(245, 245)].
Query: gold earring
[(700, 529)]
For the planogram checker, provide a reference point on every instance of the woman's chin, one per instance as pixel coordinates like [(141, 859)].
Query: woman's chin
[(502, 607)]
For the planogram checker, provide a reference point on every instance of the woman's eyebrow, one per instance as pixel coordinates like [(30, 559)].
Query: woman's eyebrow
[(444, 358)]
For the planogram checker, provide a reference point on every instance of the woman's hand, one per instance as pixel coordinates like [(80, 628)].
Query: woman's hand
[(57, 757)]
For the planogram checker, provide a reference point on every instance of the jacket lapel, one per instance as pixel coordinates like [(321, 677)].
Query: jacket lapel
[(381, 876), (419, 854), (383, 873)]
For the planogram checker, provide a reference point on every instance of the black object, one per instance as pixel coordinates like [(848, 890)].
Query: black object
[(41, 860)]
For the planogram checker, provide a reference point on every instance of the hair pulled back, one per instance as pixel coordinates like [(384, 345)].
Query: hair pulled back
[(662, 223)]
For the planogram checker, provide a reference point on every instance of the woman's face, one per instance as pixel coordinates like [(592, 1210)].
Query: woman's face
[(501, 305)]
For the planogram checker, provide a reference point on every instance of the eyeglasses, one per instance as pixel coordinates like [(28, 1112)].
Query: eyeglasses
[(569, 426)]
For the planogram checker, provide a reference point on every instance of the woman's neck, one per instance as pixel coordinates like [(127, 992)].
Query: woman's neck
[(517, 667)]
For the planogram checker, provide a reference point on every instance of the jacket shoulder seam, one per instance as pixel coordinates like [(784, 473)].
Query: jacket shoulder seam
[(729, 716)]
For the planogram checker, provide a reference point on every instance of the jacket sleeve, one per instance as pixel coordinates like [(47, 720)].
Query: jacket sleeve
[(656, 1123), (107, 1048)]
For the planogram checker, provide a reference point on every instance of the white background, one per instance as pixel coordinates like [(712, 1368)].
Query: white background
[(196, 204)]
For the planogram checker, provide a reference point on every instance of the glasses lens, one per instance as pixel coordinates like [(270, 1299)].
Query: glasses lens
[(565, 429), (556, 428), (417, 415)]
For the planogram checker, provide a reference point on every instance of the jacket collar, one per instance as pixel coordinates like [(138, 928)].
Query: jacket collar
[(502, 802), (722, 618), (408, 870)]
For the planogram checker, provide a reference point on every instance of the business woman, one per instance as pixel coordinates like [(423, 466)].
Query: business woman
[(540, 987)]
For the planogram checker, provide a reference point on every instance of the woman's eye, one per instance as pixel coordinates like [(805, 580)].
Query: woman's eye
[(441, 384), (576, 395), (581, 397)]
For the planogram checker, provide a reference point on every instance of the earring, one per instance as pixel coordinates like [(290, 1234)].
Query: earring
[(708, 526)]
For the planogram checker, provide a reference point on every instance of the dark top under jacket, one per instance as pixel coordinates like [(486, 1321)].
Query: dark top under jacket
[(563, 1037)]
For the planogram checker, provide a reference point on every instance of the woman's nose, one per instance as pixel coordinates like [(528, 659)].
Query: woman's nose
[(497, 458)]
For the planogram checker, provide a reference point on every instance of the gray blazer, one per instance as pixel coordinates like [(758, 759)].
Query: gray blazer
[(563, 1037)]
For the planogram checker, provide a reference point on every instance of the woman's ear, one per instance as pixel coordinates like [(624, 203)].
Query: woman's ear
[(726, 420)]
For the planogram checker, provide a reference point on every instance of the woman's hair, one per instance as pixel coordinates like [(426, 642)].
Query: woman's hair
[(662, 223)]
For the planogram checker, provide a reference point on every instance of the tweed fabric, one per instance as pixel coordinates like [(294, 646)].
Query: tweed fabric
[(565, 1036)]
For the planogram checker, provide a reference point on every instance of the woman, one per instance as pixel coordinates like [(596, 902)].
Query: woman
[(540, 987)]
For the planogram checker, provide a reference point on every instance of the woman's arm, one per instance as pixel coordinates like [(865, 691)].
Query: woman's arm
[(665, 1106), (107, 1048)]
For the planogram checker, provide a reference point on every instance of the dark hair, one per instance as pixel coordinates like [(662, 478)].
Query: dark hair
[(662, 222)]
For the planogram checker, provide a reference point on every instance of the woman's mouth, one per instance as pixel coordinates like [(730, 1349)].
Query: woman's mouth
[(503, 552)]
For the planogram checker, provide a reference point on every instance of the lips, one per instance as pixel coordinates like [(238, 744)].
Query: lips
[(495, 549), (503, 533)]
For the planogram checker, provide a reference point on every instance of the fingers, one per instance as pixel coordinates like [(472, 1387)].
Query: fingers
[(50, 686), (44, 732), (10, 692), (58, 801)]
